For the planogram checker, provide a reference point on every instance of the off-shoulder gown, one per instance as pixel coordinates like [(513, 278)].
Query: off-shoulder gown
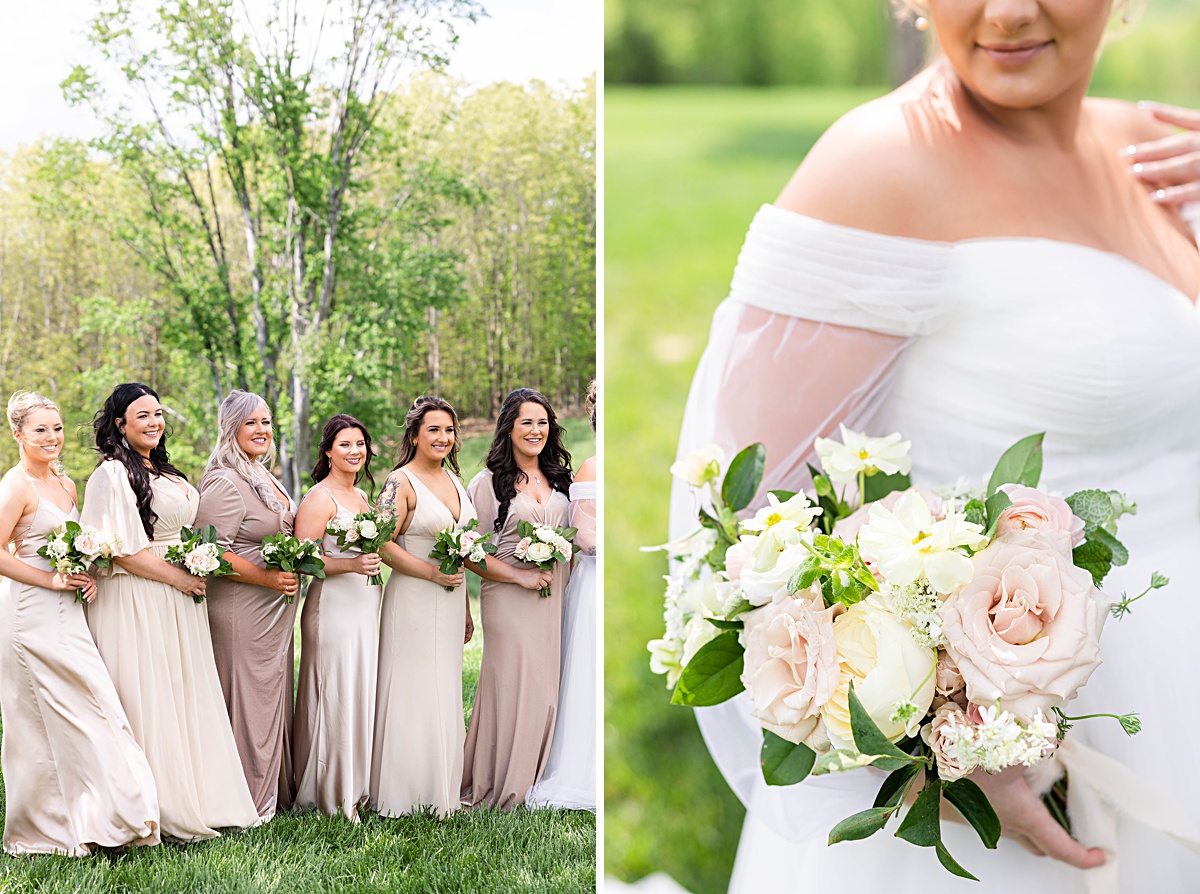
[(964, 348)]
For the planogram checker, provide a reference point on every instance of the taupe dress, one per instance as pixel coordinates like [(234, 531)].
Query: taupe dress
[(419, 732), (335, 705), (252, 630), (512, 722)]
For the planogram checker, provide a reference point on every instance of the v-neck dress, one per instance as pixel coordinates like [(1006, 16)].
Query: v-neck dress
[(73, 774), (335, 701), (419, 731), (512, 722), (252, 638), (157, 646)]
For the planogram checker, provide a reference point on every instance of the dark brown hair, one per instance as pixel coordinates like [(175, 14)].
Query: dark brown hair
[(334, 427), (554, 460), (412, 427)]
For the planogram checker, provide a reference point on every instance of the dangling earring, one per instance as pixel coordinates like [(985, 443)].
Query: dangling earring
[(921, 24)]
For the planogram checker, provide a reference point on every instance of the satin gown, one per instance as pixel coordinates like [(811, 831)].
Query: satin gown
[(335, 699), (74, 776), (419, 730), (964, 348), (157, 646)]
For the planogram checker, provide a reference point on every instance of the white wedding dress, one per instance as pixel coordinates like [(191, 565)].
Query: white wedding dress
[(965, 348)]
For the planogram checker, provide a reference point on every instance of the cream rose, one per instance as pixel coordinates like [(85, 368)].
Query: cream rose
[(761, 587), (1038, 512), (539, 552), (791, 666), (1026, 629), (877, 653), (368, 530)]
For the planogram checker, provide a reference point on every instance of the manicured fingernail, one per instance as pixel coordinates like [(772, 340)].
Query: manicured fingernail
[(1128, 150), (1160, 195), (1146, 104), (1137, 168)]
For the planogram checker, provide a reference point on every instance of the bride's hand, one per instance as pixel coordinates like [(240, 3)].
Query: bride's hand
[(1170, 166), (1025, 819)]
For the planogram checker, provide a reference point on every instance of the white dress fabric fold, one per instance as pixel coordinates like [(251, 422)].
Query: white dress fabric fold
[(973, 345), (157, 646)]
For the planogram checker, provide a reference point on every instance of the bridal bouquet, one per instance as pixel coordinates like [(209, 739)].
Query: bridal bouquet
[(927, 634), (366, 532), (200, 554), (543, 545), (283, 552), (455, 545), (72, 547)]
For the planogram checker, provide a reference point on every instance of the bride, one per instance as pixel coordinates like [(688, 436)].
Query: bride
[(969, 260)]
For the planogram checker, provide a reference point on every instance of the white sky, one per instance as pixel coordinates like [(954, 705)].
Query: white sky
[(40, 41)]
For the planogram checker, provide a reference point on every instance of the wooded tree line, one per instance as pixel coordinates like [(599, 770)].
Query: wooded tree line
[(336, 236)]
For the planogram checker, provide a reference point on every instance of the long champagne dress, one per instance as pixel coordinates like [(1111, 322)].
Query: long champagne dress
[(252, 634), (964, 348), (73, 774), (335, 704), (512, 722), (570, 777), (419, 731), (157, 646)]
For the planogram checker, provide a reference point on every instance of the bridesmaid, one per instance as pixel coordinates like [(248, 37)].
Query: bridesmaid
[(339, 629), (528, 477), (153, 637), (252, 623), (570, 777), (419, 734), (74, 775)]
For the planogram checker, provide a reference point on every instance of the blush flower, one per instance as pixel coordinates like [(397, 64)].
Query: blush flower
[(1037, 512)]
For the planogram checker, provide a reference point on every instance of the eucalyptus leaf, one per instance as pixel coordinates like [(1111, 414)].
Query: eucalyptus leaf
[(861, 825), (1020, 464), (784, 762), (969, 800), (744, 476), (713, 675)]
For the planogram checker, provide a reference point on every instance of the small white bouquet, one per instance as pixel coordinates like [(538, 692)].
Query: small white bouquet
[(200, 554), (283, 552), (366, 532), (72, 547), (455, 545), (543, 545)]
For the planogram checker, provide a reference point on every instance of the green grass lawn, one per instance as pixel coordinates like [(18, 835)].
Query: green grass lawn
[(471, 851)]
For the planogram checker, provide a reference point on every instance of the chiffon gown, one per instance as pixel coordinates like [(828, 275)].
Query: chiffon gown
[(73, 774), (335, 701), (512, 722), (965, 348), (157, 646), (570, 777), (419, 730), (253, 631)]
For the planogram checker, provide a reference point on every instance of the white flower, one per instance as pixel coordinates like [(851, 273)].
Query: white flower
[(908, 544), (367, 529), (539, 552), (693, 550), (779, 525), (477, 555), (56, 547), (918, 604), (351, 533), (562, 546), (339, 524), (761, 587), (202, 560), (858, 453), (269, 549), (701, 466), (666, 657), (997, 740)]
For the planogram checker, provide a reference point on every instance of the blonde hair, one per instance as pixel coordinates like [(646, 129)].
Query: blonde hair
[(589, 402), (20, 405), (228, 454)]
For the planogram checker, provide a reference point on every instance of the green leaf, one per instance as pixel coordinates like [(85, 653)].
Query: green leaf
[(869, 740), (744, 476), (739, 608), (950, 863), (713, 675), (921, 825), (892, 790), (996, 504), (976, 513), (782, 495), (969, 800), (1020, 464), (784, 762), (861, 825), (1120, 555), (825, 499), (1093, 506), (807, 572), (1093, 557), (878, 486), (722, 624)]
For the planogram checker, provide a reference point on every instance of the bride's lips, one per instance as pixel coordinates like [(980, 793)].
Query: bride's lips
[(1013, 55)]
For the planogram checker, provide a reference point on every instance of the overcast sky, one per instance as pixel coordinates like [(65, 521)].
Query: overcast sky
[(40, 40)]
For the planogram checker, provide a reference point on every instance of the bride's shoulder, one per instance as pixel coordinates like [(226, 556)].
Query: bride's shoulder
[(1125, 122), (875, 168)]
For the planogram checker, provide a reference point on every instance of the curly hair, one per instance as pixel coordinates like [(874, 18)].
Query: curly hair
[(111, 444), (412, 427), (334, 427), (554, 461)]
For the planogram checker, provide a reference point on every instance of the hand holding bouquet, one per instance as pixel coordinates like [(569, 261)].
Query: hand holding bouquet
[(455, 545), (925, 634), (367, 532), (283, 552), (200, 554), (543, 545), (72, 547)]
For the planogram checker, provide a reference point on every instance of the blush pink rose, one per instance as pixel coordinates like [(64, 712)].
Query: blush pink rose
[(946, 679), (736, 558), (949, 769), (791, 666), (1038, 512), (1026, 629)]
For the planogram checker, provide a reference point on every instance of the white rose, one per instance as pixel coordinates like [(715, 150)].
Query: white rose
[(762, 587), (201, 560), (562, 545), (368, 530), (700, 467), (877, 653), (477, 555), (539, 552)]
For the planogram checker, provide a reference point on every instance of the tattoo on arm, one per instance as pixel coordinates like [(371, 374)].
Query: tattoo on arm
[(387, 498)]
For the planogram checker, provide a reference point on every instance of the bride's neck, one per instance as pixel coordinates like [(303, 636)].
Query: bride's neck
[(1055, 124)]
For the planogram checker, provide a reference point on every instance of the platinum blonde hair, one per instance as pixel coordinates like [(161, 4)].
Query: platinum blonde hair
[(20, 405), (235, 410)]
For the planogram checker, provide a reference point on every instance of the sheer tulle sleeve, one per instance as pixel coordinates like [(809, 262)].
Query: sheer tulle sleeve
[(110, 506), (484, 501), (583, 515), (813, 333)]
